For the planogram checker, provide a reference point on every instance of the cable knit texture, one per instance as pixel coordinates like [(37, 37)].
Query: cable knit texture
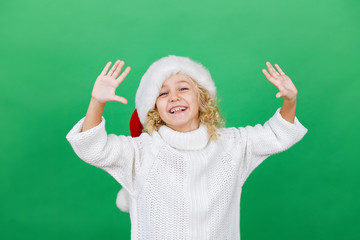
[(183, 185)]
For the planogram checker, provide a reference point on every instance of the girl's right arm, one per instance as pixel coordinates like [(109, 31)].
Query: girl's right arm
[(93, 115), (116, 154), (103, 92)]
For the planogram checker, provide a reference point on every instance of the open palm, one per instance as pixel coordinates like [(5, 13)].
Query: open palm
[(107, 82), (281, 81)]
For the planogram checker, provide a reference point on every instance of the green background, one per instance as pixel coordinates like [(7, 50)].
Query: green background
[(52, 52)]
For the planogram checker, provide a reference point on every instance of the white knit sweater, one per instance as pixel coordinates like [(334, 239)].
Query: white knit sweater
[(181, 185)]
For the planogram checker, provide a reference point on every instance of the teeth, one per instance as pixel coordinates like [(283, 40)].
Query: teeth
[(177, 109)]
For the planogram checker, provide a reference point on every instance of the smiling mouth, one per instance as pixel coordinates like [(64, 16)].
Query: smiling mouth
[(179, 110)]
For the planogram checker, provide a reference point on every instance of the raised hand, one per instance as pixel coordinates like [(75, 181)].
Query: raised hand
[(107, 82), (281, 81)]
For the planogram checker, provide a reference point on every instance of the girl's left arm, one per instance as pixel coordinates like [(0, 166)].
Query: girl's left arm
[(288, 109), (287, 90), (279, 133)]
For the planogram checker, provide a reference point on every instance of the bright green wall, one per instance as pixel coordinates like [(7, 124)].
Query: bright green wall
[(52, 52)]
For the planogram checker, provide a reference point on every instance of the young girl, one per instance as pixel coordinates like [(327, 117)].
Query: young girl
[(181, 171)]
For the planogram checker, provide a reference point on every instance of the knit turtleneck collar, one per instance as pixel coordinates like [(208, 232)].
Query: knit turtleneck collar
[(193, 140)]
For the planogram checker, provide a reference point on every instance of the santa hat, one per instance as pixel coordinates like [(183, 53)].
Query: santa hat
[(149, 89)]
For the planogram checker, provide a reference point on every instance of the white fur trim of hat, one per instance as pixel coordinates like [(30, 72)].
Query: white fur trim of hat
[(122, 200), (162, 69)]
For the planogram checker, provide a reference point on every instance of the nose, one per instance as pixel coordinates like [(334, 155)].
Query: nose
[(174, 97)]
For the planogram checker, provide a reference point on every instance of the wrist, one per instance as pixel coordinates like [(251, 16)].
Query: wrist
[(97, 102), (290, 100)]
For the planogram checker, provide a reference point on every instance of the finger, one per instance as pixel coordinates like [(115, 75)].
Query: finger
[(269, 77), (278, 95), (279, 69), (106, 68), (113, 68), (119, 99), (118, 69), (272, 69), (123, 75)]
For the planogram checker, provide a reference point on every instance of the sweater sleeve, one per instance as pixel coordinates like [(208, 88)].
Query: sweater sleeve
[(116, 154), (274, 136)]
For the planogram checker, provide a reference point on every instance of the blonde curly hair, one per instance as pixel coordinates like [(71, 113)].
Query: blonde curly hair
[(209, 114)]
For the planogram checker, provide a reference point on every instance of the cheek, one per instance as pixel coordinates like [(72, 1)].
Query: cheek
[(160, 106), (195, 101)]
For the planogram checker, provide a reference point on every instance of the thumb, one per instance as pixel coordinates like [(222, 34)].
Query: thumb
[(119, 99), (278, 95)]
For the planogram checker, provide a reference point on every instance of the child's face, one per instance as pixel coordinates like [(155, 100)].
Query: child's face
[(178, 90)]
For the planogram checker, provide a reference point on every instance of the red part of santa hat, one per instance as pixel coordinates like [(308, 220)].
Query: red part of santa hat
[(135, 125)]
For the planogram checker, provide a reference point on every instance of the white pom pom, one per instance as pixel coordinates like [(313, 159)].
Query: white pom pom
[(122, 200)]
